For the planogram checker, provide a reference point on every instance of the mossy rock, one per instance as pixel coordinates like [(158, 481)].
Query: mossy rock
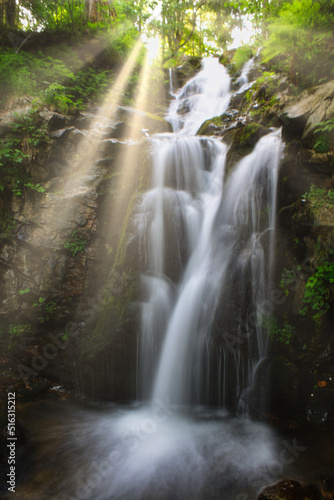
[(183, 73), (212, 126), (242, 140)]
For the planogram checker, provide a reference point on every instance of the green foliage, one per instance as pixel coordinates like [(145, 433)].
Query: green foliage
[(301, 41), (326, 126), (23, 292), (78, 89), (282, 334), (46, 309), (241, 56), (16, 332), (57, 97), (263, 93), (29, 126), (17, 150), (321, 145), (75, 244), (58, 84), (320, 198), (88, 83), (317, 291), (325, 142), (288, 278)]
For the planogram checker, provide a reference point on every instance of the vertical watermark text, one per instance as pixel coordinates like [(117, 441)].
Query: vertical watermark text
[(11, 442)]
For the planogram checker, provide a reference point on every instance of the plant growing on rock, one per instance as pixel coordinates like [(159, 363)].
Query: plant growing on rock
[(317, 295), (325, 142), (47, 309), (16, 332), (319, 198), (75, 244), (282, 334), (18, 149)]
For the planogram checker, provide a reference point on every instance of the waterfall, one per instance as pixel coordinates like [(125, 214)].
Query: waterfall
[(204, 96), (243, 80), (206, 239), (207, 247), (171, 88)]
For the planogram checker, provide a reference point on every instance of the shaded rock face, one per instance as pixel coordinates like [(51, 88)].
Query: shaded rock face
[(55, 268), (187, 70)]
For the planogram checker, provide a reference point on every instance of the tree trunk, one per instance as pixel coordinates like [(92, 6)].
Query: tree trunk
[(10, 13), (92, 10)]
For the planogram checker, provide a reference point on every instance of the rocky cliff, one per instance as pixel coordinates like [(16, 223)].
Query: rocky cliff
[(69, 264)]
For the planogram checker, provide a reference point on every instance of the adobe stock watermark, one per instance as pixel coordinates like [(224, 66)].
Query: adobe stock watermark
[(100, 470), (272, 472)]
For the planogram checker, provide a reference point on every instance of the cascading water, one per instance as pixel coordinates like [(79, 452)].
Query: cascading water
[(203, 96), (199, 237), (243, 78), (243, 82), (206, 242)]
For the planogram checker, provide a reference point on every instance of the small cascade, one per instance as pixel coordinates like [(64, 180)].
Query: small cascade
[(171, 88), (204, 96), (243, 80), (207, 247)]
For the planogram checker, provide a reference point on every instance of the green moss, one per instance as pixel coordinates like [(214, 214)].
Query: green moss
[(248, 132), (217, 121)]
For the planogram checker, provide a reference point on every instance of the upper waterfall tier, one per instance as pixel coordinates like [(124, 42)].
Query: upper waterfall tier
[(206, 95)]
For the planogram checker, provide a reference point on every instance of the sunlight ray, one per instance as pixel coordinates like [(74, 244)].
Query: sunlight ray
[(83, 170)]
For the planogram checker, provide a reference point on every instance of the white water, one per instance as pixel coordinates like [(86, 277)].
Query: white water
[(206, 244), (204, 96), (198, 238), (243, 78)]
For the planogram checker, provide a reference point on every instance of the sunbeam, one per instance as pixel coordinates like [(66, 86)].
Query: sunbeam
[(83, 168)]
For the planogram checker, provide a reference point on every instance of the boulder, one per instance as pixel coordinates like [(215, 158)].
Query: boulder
[(301, 114), (54, 120), (290, 490)]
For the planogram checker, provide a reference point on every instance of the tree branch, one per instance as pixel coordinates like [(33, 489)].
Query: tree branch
[(199, 6)]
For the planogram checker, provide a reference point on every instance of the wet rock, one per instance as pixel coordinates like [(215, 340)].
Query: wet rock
[(284, 391), (183, 73), (327, 488), (62, 133), (320, 407), (300, 168), (54, 120), (290, 490), (242, 140)]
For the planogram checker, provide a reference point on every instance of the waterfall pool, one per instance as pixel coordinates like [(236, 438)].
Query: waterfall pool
[(159, 452)]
